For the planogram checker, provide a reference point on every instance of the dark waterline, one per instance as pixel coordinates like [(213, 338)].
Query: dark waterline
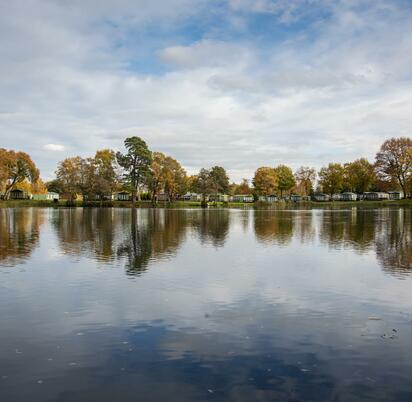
[(202, 305)]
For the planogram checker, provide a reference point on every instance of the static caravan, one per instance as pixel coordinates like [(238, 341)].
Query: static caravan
[(50, 196), (242, 198), (268, 198), (17, 194), (321, 197), (162, 197), (295, 198), (348, 196), (375, 196), (192, 197), (219, 198), (123, 196), (395, 195)]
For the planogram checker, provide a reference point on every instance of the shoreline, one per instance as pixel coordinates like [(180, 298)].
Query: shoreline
[(195, 205)]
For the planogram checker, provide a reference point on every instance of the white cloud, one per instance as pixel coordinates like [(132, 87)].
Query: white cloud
[(54, 147), (334, 93)]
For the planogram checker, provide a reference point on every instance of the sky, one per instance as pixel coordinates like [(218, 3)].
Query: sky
[(235, 83)]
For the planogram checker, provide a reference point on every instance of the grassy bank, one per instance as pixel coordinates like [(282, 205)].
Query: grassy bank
[(194, 204)]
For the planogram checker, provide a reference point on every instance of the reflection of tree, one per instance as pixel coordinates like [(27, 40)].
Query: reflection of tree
[(136, 247), (394, 242), (152, 233), (274, 227), (86, 230), (19, 233), (353, 228), (130, 234), (212, 226)]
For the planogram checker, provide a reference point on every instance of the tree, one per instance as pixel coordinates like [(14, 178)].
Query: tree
[(166, 175), (175, 178), (286, 180), (54, 186), (15, 168), (305, 179), (136, 164), (156, 180), (394, 161), (331, 178), (359, 176), (38, 187), (243, 188), (69, 175), (204, 184), (265, 181), (220, 180), (105, 180)]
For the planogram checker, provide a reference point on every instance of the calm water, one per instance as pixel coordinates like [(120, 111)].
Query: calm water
[(217, 305)]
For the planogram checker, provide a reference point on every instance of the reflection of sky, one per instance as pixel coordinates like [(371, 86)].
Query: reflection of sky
[(245, 320)]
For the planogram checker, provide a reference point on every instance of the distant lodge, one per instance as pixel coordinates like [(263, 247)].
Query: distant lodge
[(17, 194)]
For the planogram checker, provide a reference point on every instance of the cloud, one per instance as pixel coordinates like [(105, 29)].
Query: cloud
[(332, 87), (54, 147)]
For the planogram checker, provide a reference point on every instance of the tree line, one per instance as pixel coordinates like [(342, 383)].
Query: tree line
[(143, 172)]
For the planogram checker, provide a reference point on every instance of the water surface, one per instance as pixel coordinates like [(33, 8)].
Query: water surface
[(214, 305)]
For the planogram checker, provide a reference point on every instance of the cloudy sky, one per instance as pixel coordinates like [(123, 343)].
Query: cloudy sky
[(239, 83)]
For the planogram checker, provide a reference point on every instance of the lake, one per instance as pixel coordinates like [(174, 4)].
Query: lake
[(205, 305)]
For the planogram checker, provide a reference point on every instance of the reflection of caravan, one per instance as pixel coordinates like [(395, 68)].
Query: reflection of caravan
[(376, 196)]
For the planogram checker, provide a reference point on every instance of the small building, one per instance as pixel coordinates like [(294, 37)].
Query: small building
[(50, 196), (123, 196), (219, 198), (192, 197), (395, 195), (321, 197), (242, 198), (348, 196), (268, 198), (295, 198), (336, 197), (375, 196), (17, 194), (162, 197)]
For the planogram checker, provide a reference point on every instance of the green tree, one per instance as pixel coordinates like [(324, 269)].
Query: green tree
[(136, 164), (105, 180), (203, 184), (394, 161), (220, 180), (359, 176), (15, 168), (286, 179), (265, 181), (331, 178), (70, 175), (305, 179)]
